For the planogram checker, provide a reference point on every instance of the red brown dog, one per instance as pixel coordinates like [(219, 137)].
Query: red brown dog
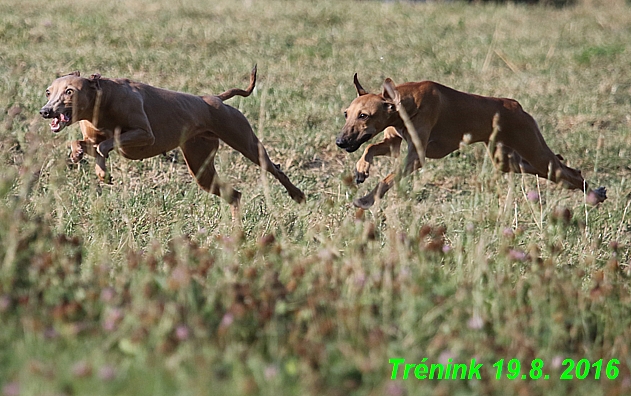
[(434, 119), (140, 121)]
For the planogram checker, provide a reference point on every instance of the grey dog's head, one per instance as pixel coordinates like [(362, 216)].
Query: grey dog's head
[(70, 99)]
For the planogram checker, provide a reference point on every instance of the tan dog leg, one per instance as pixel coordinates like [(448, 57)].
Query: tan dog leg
[(390, 145), (526, 151), (412, 163), (378, 192)]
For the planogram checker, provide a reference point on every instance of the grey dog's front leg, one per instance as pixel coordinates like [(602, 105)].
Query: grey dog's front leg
[(131, 138), (79, 148)]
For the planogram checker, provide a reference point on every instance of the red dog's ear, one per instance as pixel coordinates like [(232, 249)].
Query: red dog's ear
[(360, 90), (390, 92)]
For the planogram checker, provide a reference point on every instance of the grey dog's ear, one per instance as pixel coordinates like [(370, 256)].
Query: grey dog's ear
[(74, 73), (390, 92), (360, 90)]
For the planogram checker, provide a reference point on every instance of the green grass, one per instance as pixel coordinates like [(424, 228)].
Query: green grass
[(143, 287)]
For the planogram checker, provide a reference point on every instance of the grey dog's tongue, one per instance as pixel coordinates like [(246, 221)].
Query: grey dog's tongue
[(55, 123)]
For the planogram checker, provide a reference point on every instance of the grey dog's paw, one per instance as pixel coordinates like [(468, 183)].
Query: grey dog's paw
[(76, 156)]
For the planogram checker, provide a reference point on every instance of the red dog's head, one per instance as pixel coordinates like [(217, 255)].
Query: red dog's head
[(367, 115)]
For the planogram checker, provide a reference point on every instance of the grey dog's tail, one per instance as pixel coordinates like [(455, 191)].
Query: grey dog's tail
[(236, 91)]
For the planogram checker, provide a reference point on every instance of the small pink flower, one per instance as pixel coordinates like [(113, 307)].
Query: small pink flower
[(475, 322), (394, 389), (556, 362), (270, 372), (446, 248), (11, 389), (107, 294), (445, 355), (112, 318), (532, 196), (5, 303), (517, 255), (404, 273), (82, 369), (182, 332), (50, 333), (227, 320), (360, 279), (107, 373), (180, 277), (508, 232)]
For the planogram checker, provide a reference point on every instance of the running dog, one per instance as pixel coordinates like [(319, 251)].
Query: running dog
[(141, 121), (434, 119)]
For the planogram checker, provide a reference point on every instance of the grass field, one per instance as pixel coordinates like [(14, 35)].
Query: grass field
[(144, 287)]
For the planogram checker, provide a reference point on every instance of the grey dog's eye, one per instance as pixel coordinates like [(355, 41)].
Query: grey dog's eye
[(68, 91)]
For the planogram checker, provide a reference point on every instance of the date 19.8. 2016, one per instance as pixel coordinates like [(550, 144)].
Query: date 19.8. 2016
[(511, 369)]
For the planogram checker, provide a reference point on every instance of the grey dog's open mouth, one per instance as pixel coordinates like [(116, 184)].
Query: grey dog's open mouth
[(59, 122)]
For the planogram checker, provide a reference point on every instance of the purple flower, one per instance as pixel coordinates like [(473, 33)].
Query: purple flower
[(107, 294), (82, 369), (107, 373), (182, 332), (270, 372), (394, 389), (517, 255), (11, 389), (5, 303), (112, 318), (475, 322), (360, 279), (50, 333), (532, 196), (227, 320), (445, 355), (556, 362)]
